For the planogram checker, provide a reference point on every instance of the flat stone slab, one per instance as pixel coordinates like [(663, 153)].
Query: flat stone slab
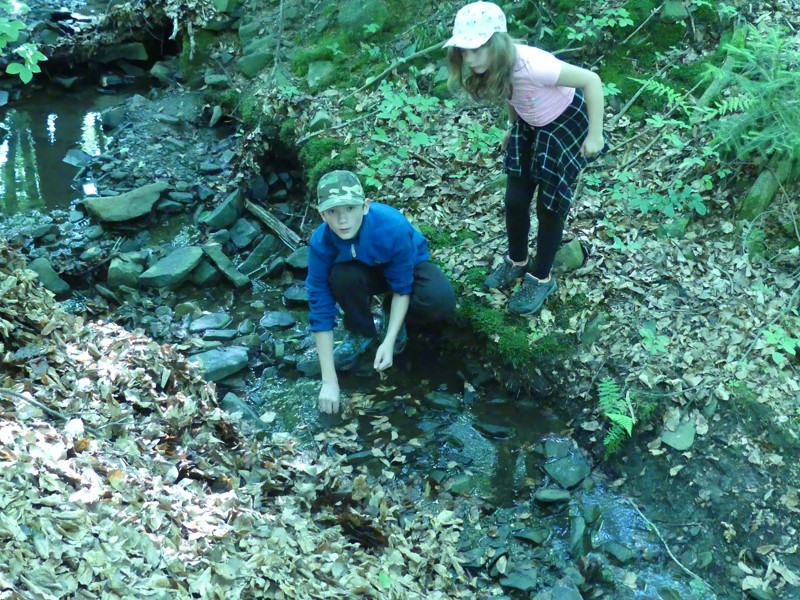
[(127, 206)]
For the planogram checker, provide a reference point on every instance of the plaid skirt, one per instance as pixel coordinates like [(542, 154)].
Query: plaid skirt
[(551, 154)]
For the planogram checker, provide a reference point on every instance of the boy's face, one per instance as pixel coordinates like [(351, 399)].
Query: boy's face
[(345, 221)]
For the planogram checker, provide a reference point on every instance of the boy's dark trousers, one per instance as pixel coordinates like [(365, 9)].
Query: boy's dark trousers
[(353, 284)]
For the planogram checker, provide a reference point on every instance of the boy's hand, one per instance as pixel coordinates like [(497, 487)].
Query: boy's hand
[(592, 146), (329, 398), (384, 357)]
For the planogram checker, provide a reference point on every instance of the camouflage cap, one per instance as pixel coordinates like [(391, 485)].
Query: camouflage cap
[(339, 188)]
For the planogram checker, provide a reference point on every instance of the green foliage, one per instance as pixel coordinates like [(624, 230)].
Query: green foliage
[(591, 28), (618, 410), (652, 341), (757, 118), (781, 343), (10, 30)]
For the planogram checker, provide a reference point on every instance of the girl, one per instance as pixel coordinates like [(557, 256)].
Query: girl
[(555, 118)]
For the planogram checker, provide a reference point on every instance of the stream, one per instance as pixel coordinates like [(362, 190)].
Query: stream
[(460, 431)]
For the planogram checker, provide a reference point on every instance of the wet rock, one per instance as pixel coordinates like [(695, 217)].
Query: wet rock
[(65, 82), (590, 512), (578, 541), (188, 308), (173, 269), (474, 559), (443, 400), (225, 266), (675, 229), (182, 197), (296, 293), (244, 232), (220, 335), (520, 579), (621, 553), (299, 258), (461, 485), (561, 591), (164, 72), (48, 277), (205, 275), (248, 31), (221, 363), (210, 168), (131, 51), (226, 213), (3, 97), (551, 496), (759, 594), (234, 405), (221, 237), (493, 432), (216, 80), (124, 207), (77, 158), (277, 320), (535, 536), (123, 271), (113, 117), (682, 438), (210, 321), (568, 471), (216, 115), (252, 341)]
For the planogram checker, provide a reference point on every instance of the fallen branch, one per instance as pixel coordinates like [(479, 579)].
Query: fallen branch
[(663, 541), (396, 64), (287, 236), (308, 136), (44, 408), (278, 43)]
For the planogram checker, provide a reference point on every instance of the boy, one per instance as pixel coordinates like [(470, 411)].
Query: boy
[(361, 250)]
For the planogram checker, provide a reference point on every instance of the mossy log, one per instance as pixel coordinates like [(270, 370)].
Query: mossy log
[(757, 200)]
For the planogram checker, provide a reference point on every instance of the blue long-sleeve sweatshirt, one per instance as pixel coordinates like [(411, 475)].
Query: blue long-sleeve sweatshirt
[(386, 239)]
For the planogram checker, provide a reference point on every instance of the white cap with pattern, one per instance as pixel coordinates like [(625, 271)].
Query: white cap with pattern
[(475, 23)]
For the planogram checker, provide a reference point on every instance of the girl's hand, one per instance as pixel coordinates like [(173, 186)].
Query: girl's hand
[(506, 137), (384, 357), (592, 146), (329, 398)]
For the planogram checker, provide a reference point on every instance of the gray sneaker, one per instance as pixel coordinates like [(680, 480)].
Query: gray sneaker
[(504, 275), (349, 349), (531, 295)]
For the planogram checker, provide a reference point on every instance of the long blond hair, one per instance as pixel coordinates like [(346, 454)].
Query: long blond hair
[(495, 83)]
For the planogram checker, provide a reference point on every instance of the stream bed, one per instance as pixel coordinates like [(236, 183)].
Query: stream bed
[(547, 512)]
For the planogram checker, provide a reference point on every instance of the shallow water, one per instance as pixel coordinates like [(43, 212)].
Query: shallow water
[(37, 133)]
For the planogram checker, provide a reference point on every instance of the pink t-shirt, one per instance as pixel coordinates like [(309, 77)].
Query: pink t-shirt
[(535, 97)]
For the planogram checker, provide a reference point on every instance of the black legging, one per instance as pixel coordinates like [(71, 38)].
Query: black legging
[(519, 194)]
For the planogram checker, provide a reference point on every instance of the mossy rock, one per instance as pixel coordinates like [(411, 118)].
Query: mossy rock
[(354, 15), (251, 65), (193, 65)]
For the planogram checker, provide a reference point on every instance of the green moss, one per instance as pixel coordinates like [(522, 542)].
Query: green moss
[(249, 109), (508, 338), (322, 154), (192, 67), (443, 239)]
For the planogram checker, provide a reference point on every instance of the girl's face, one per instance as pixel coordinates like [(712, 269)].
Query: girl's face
[(476, 59)]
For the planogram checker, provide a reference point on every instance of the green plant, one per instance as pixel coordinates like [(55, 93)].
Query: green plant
[(759, 116), (653, 342), (618, 410), (595, 27), (780, 343), (10, 30)]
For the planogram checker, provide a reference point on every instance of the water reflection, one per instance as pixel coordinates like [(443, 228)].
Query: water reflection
[(40, 132)]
